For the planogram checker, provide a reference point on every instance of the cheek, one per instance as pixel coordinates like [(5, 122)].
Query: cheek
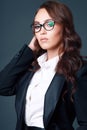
[(57, 36), (58, 31), (38, 39), (37, 36), (56, 39)]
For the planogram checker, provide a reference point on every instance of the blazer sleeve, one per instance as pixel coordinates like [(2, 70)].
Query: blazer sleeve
[(10, 75), (80, 99)]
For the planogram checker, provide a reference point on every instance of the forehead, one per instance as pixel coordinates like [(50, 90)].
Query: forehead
[(42, 15)]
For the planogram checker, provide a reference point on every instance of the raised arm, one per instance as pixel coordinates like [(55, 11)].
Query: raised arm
[(16, 68)]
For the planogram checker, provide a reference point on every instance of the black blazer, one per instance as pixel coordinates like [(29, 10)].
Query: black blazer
[(59, 114)]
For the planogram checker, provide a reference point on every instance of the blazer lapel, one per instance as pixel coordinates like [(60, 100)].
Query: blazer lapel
[(52, 97), (23, 90)]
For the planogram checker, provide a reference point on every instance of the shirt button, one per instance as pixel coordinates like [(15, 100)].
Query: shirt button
[(30, 98)]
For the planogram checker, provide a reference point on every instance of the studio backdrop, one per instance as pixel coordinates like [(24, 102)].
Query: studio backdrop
[(16, 17)]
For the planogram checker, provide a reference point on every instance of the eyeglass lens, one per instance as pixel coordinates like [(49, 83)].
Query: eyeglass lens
[(48, 25)]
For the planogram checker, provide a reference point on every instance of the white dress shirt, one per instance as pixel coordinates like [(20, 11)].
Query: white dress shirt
[(37, 89)]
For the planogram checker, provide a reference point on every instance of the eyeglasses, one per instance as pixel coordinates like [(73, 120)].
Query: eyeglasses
[(48, 26)]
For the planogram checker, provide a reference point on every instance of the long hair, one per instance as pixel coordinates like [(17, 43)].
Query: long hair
[(71, 60)]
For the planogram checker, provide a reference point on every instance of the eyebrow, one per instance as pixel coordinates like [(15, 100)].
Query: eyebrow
[(37, 22)]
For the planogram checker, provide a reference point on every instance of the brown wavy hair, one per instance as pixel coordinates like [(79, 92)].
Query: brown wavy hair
[(71, 59)]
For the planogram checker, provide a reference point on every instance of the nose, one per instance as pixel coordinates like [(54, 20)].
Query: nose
[(43, 30)]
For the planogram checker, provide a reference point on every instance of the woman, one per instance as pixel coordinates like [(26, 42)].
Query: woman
[(49, 76)]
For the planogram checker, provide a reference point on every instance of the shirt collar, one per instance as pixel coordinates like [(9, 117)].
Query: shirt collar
[(44, 63)]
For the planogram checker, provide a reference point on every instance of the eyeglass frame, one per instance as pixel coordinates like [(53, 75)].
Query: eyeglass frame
[(42, 25)]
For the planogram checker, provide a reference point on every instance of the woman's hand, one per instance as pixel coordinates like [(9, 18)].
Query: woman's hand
[(34, 44)]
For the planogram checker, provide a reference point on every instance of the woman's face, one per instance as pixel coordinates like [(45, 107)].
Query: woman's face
[(48, 40)]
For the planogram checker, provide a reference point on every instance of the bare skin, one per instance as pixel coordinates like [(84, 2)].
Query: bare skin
[(32, 44)]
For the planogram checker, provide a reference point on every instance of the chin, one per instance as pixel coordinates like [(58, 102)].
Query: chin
[(44, 48)]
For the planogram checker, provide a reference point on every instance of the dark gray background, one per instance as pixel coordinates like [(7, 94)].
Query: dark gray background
[(15, 19)]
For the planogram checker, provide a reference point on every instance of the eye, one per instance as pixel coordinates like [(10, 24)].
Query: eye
[(37, 26), (50, 23)]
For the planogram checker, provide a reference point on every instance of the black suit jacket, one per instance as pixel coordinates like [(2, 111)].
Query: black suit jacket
[(59, 114)]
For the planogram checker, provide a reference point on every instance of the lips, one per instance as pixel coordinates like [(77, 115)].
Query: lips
[(44, 39)]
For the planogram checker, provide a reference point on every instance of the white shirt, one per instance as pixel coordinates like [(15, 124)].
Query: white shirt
[(37, 89)]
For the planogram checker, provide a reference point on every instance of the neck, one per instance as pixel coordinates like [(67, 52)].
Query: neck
[(55, 52), (52, 54)]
